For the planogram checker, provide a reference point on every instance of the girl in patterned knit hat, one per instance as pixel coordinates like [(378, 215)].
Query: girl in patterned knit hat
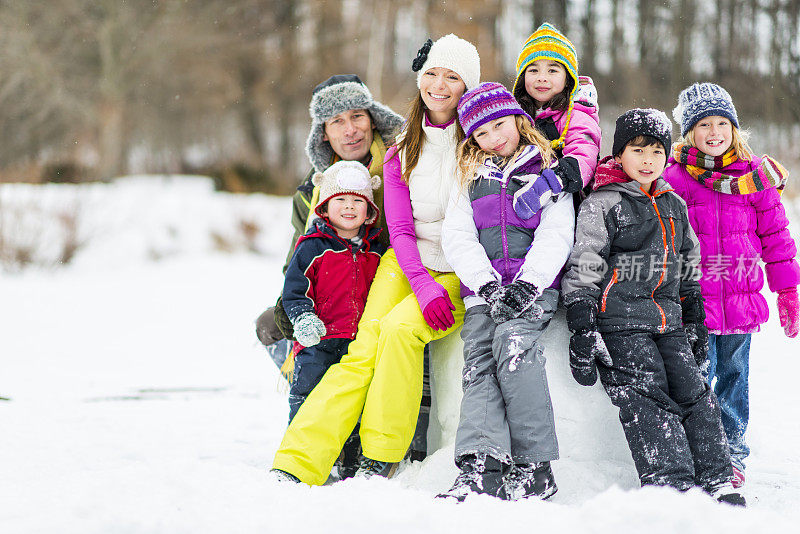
[(507, 233), (563, 104), (735, 208)]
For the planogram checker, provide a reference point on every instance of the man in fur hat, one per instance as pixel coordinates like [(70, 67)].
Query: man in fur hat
[(346, 124)]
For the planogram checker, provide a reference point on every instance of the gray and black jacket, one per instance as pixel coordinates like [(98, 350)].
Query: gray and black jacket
[(635, 254)]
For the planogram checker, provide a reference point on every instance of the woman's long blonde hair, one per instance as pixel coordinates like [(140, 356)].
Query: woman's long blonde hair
[(738, 142), (470, 155), (413, 136)]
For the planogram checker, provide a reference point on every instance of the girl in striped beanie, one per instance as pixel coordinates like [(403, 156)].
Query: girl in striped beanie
[(564, 104), (734, 201), (507, 233)]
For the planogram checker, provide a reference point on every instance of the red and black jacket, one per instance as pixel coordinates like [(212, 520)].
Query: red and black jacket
[(330, 277)]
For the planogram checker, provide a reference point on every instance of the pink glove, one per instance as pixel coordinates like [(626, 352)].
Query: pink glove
[(438, 313), (788, 311)]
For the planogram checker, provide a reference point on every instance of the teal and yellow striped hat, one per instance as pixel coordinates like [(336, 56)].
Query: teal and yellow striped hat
[(549, 43)]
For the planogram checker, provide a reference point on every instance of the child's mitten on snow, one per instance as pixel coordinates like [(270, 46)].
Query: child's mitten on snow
[(586, 345), (788, 311), (697, 334), (535, 194), (309, 329), (514, 300)]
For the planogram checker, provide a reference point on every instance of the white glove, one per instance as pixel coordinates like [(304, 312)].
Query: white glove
[(308, 329)]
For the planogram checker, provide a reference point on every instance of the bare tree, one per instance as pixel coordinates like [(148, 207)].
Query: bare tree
[(100, 85)]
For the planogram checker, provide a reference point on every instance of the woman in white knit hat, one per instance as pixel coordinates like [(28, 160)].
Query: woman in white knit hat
[(415, 296)]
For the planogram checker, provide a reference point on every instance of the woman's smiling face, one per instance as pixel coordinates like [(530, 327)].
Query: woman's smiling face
[(441, 89)]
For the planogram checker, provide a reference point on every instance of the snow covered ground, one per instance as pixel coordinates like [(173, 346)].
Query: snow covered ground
[(136, 398)]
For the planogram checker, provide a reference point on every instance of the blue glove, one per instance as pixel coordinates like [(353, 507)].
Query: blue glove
[(535, 194)]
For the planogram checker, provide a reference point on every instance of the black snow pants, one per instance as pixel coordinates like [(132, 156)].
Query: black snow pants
[(670, 416), (310, 364)]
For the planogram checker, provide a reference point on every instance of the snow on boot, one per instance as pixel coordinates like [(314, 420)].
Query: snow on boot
[(530, 480), (724, 492), (282, 477), (480, 474), (738, 478), (368, 468)]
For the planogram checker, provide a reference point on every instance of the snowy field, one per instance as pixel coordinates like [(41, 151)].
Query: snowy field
[(136, 398)]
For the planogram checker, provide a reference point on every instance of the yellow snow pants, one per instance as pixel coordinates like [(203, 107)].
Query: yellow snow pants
[(379, 379)]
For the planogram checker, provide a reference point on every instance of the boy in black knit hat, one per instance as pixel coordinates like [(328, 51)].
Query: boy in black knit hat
[(635, 310)]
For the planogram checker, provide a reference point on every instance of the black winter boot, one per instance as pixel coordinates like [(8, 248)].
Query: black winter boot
[(282, 477), (479, 474), (724, 492), (530, 480), (348, 461)]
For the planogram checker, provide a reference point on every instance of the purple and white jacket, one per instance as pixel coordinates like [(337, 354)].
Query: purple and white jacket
[(485, 240)]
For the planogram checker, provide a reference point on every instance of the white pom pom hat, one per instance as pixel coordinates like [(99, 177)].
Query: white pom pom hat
[(347, 178)]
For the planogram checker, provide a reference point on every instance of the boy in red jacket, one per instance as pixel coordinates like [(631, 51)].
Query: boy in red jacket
[(328, 278)]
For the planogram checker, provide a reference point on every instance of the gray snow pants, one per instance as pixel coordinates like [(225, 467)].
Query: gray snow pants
[(506, 411), (670, 416)]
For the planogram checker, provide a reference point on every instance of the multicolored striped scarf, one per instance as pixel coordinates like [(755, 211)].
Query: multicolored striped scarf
[(705, 169)]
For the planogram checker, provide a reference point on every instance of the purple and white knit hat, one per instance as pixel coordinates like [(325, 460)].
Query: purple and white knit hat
[(486, 102)]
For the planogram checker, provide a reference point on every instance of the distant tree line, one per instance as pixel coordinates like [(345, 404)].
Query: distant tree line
[(91, 89)]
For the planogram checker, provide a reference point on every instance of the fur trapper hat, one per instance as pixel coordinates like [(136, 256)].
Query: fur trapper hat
[(338, 94), (347, 178)]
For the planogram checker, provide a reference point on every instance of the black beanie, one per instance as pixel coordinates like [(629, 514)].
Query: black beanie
[(636, 122)]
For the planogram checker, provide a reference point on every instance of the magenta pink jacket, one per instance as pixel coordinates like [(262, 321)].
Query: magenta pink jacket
[(582, 141), (735, 232), (400, 220)]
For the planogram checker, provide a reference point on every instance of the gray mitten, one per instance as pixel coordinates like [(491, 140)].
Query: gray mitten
[(488, 291), (514, 300), (309, 329)]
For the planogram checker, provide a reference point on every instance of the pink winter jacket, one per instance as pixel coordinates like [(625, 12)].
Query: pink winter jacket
[(582, 141), (735, 231), (400, 220)]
